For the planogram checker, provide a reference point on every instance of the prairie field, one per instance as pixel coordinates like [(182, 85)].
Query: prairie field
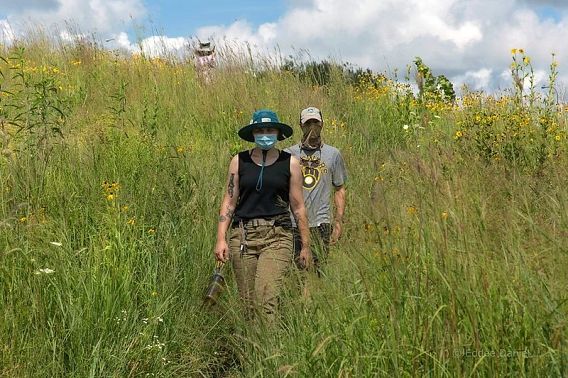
[(453, 261)]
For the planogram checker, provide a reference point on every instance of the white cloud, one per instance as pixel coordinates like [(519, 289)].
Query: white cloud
[(6, 33), (152, 46), (468, 40), (123, 42), (239, 31), (69, 37), (161, 45), (555, 3), (101, 16), (21, 5), (475, 80)]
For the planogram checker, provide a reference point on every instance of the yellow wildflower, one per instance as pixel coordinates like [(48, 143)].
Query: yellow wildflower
[(131, 221), (151, 231), (526, 60), (558, 138), (23, 219), (459, 134), (444, 215), (110, 189), (513, 51)]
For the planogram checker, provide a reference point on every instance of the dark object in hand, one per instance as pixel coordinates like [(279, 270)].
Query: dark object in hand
[(216, 286)]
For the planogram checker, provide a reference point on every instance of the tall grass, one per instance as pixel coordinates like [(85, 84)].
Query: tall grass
[(453, 262)]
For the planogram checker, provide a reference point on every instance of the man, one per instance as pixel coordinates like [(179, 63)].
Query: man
[(323, 168)]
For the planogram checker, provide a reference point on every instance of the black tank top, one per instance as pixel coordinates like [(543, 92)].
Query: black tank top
[(273, 199)]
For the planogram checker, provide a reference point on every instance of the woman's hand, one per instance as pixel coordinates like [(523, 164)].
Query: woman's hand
[(222, 251)]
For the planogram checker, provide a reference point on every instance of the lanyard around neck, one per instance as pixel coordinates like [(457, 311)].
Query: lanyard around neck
[(259, 181)]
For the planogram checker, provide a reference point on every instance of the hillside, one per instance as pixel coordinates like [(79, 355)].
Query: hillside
[(454, 260)]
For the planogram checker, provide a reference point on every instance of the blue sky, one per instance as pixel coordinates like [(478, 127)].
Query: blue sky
[(548, 12), (469, 41), (183, 18)]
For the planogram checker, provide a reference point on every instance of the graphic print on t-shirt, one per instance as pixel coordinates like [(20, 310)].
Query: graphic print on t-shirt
[(312, 169)]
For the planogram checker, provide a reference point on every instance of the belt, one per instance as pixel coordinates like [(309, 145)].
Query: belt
[(280, 220), (256, 222)]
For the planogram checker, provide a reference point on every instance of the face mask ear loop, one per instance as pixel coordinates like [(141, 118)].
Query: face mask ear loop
[(259, 181)]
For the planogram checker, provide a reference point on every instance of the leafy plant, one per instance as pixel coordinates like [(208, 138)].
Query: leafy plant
[(430, 87)]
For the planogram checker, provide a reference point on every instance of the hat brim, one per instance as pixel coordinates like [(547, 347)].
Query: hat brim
[(285, 131), (309, 117)]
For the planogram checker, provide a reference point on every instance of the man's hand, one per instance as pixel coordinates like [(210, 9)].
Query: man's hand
[(222, 251), (305, 259), (336, 233)]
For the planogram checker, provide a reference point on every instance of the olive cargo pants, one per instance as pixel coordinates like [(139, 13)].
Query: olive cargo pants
[(260, 268)]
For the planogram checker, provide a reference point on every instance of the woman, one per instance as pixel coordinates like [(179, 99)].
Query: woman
[(262, 184)]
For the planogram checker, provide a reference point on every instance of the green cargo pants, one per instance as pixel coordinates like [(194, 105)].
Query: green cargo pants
[(260, 268)]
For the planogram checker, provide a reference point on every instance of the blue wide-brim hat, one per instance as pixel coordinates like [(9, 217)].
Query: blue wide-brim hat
[(265, 119)]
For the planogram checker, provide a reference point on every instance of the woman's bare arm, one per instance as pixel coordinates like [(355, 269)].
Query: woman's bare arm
[(227, 210)]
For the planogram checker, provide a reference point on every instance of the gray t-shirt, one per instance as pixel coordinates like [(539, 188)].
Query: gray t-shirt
[(321, 169)]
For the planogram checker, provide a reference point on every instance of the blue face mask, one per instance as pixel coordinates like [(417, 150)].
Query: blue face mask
[(265, 141)]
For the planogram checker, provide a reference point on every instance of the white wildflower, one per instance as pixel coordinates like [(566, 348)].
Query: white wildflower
[(44, 271), (156, 344)]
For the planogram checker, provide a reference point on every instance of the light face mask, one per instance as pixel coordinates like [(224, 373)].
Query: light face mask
[(265, 141), (311, 139)]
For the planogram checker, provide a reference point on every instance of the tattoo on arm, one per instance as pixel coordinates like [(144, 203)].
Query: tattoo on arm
[(230, 212), (228, 215), (231, 189)]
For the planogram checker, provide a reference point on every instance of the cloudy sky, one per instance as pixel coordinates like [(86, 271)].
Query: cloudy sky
[(467, 40)]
